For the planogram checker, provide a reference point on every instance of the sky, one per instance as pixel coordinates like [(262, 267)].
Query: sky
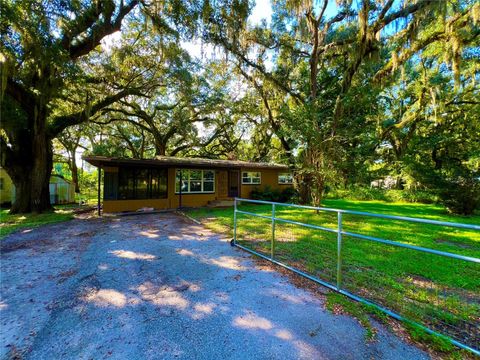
[(261, 10)]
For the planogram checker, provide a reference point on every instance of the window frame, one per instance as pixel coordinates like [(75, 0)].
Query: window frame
[(131, 173), (259, 177), (187, 179), (285, 174)]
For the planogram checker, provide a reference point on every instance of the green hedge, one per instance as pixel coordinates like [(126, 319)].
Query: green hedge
[(266, 193), (365, 193)]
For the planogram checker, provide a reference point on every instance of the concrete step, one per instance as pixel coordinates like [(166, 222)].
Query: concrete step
[(220, 203)]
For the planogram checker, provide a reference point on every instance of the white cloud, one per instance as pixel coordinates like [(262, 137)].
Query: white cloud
[(262, 10)]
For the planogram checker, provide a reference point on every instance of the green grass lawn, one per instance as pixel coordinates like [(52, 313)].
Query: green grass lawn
[(10, 223), (440, 292)]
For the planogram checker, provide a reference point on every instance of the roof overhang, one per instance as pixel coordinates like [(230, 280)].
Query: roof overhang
[(171, 161)]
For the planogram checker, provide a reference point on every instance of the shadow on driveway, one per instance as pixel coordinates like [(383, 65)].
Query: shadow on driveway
[(157, 286)]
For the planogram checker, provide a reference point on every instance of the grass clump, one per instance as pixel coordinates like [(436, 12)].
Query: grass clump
[(14, 222), (436, 342), (339, 304)]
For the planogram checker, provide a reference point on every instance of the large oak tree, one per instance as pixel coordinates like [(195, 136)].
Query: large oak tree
[(42, 46), (45, 52)]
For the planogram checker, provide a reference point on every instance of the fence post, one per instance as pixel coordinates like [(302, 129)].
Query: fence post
[(235, 221), (339, 250), (273, 232)]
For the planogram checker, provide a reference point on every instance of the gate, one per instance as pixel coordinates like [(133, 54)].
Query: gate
[(438, 291)]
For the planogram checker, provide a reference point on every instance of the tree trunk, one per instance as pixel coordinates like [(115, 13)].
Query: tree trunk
[(304, 184), (22, 193), (30, 167), (32, 183), (75, 175), (160, 149)]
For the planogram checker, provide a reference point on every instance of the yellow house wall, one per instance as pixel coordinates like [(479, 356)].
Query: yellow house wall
[(172, 201), (268, 178), (6, 192), (133, 205)]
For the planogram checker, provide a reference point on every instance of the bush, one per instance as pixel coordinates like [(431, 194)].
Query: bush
[(358, 193), (412, 196), (367, 194), (268, 194), (457, 184)]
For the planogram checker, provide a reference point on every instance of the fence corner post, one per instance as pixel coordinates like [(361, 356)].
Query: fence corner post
[(272, 250), (235, 221), (339, 250)]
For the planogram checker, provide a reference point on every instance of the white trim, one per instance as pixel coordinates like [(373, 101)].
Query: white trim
[(284, 183), (202, 181), (251, 178)]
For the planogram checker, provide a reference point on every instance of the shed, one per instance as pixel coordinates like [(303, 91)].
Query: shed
[(62, 191)]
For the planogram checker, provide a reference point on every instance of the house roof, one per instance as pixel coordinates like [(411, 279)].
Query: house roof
[(61, 177), (101, 161)]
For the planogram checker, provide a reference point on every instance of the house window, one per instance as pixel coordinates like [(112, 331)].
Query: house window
[(140, 183), (195, 181), (285, 178), (251, 177)]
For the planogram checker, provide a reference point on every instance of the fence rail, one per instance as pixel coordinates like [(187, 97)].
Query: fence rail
[(436, 290)]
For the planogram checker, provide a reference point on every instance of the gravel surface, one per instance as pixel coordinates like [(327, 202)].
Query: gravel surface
[(159, 286)]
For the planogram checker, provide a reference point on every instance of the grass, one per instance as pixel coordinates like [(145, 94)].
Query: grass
[(439, 292), (11, 223), (336, 303)]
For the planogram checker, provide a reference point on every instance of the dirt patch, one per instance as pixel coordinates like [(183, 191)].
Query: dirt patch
[(30, 244), (454, 243), (65, 275)]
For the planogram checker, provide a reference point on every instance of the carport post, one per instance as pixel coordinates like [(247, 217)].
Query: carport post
[(181, 185), (99, 181)]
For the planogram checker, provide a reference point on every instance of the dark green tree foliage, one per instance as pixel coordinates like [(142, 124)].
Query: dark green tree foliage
[(335, 72), (443, 154), (42, 46), (51, 79)]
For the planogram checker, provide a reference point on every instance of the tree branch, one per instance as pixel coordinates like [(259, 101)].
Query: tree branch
[(98, 30), (62, 122)]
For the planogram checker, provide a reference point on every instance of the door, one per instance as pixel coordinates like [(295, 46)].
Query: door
[(53, 193), (233, 183)]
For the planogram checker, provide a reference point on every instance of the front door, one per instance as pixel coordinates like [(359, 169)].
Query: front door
[(233, 183)]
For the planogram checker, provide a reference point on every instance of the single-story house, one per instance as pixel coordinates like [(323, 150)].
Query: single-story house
[(168, 182), (7, 189), (62, 191)]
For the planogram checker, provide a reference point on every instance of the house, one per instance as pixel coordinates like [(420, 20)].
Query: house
[(7, 189), (62, 191), (170, 182)]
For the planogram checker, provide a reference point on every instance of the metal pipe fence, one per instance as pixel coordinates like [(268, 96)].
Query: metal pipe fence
[(436, 290)]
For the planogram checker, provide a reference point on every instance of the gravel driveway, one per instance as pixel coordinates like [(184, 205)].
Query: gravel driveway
[(158, 286)]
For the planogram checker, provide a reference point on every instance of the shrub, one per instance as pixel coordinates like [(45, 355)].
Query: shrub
[(413, 196), (367, 194), (268, 194), (456, 185), (358, 193)]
